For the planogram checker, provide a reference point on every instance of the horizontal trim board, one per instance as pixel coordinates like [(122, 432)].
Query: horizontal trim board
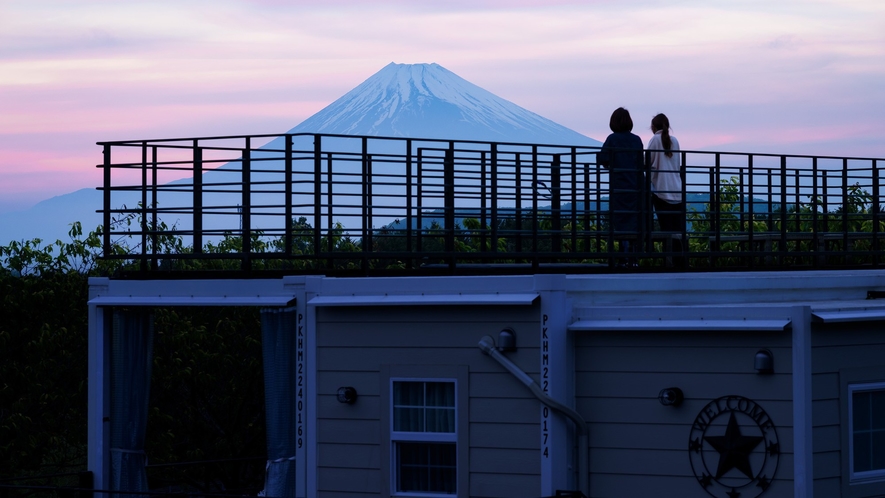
[(849, 315), (522, 299), (773, 325), (276, 301)]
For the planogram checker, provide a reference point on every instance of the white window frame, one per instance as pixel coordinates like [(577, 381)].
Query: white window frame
[(459, 374), (868, 475), (420, 437)]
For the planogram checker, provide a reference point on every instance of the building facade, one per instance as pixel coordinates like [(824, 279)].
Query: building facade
[(688, 384)]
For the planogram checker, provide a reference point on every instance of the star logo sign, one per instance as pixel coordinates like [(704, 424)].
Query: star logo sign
[(733, 448)]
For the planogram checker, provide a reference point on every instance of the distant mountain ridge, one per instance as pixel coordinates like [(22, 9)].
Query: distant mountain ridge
[(400, 100)]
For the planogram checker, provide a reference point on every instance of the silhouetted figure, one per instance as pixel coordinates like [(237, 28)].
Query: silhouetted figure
[(621, 154), (666, 181)]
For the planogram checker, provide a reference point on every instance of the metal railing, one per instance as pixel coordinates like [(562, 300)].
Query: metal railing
[(333, 204)]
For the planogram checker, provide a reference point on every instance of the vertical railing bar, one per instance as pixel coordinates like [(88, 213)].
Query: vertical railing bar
[(106, 199), (784, 218), (483, 203), (556, 204), (142, 222), (518, 200), (717, 206), (330, 210), (409, 186), (364, 263), (449, 203), (419, 235), (247, 205), (845, 207), (198, 198), (875, 209), (287, 199), (751, 225), (875, 212), (317, 235), (535, 221), (574, 200), (495, 200), (815, 235), (154, 227)]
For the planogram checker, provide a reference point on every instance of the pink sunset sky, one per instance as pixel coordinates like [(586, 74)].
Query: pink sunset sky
[(786, 76)]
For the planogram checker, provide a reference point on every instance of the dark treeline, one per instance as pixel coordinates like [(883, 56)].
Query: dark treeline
[(207, 394)]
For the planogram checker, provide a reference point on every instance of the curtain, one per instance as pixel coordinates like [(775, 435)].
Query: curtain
[(131, 358), (279, 345)]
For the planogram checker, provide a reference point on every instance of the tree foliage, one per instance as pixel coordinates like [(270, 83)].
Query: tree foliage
[(207, 398)]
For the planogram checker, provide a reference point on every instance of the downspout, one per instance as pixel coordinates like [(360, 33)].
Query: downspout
[(487, 346)]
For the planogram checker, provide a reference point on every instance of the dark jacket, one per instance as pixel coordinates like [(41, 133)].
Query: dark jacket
[(621, 154)]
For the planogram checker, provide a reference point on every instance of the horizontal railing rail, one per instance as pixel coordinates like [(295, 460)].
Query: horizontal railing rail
[(336, 204)]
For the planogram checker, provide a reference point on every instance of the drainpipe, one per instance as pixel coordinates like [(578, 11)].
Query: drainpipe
[(487, 346)]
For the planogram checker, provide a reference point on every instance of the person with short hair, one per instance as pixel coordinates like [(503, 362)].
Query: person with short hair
[(621, 154)]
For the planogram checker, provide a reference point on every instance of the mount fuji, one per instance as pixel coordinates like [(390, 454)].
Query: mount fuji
[(429, 101), (400, 100)]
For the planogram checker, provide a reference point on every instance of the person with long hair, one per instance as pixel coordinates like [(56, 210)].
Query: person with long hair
[(665, 166), (621, 154)]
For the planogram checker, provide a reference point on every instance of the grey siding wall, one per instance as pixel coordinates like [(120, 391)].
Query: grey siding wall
[(503, 432), (639, 447), (837, 350)]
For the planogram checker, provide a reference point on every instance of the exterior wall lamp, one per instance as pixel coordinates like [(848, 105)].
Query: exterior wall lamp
[(764, 362), (506, 340), (347, 395), (671, 396)]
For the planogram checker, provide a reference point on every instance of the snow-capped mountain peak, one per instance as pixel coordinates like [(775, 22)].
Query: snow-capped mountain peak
[(429, 101)]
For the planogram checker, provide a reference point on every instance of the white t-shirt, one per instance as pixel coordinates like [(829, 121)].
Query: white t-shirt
[(665, 180)]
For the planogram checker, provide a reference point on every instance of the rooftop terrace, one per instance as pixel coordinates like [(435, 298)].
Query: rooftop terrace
[(348, 205)]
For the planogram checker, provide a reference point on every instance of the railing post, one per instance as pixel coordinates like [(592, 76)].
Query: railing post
[(247, 206), (494, 187), (449, 203), (419, 207), (483, 202), (715, 223), (535, 221), (287, 201), (782, 250), (142, 222), (815, 234), (366, 214), (751, 225), (106, 201), (409, 186), (556, 204), (875, 212), (846, 205), (317, 197), (154, 260), (198, 198)]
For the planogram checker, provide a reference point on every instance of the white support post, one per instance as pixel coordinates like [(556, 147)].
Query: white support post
[(306, 456), (557, 456), (98, 402), (803, 458)]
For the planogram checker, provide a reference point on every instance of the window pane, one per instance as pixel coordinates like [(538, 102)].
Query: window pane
[(877, 409), (441, 394), (878, 450), (408, 393), (861, 411), (862, 451), (427, 467), (408, 419), (440, 420)]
